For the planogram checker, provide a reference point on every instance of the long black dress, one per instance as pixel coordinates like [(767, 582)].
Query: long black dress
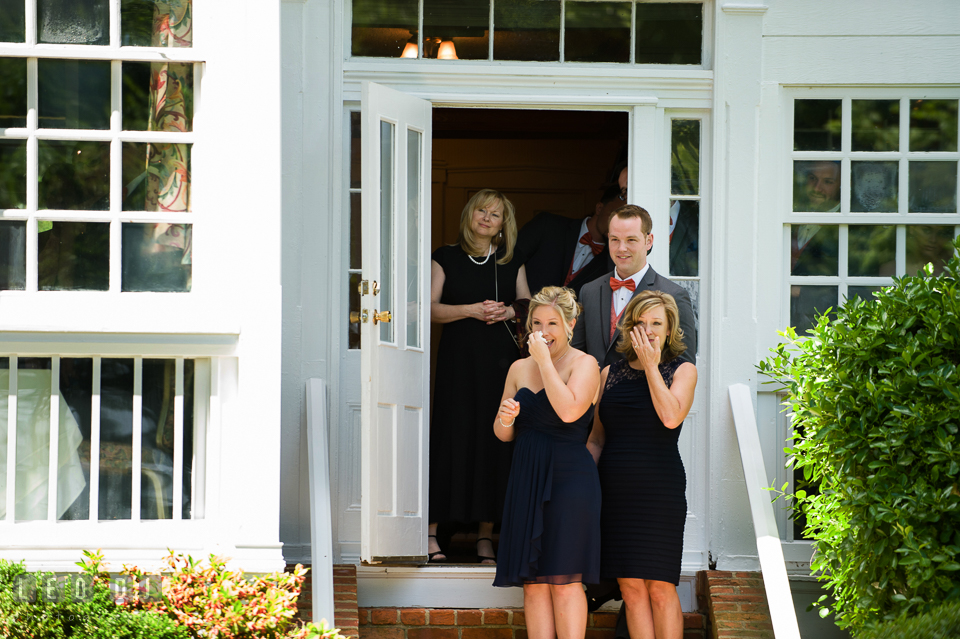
[(468, 464), (643, 481), (551, 521)]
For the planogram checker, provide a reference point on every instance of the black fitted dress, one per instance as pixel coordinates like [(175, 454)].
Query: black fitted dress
[(551, 521), (468, 464), (643, 481)]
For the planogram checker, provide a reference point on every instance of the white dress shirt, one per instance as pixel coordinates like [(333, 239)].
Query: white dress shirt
[(622, 296)]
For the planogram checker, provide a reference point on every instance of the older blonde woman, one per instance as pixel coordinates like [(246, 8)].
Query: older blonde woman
[(643, 402), (473, 284)]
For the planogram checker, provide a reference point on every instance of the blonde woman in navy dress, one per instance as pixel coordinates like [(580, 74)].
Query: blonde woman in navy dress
[(550, 537), (643, 402)]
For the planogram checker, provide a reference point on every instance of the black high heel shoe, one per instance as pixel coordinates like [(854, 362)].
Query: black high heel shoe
[(482, 558), (431, 556)]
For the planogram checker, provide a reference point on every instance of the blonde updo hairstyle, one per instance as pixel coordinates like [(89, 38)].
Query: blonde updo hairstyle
[(563, 299), (640, 304), (506, 238)]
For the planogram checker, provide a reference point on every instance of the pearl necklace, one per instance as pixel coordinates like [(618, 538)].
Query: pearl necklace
[(489, 248)]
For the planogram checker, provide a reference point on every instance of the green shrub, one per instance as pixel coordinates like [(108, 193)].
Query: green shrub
[(875, 394), (942, 622)]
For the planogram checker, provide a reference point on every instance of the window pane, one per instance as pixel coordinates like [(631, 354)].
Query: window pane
[(166, 108), (933, 187), (413, 238), (73, 22), (356, 245), (353, 301), (876, 125), (386, 228), (596, 32), (156, 177), (925, 244), (526, 30), (74, 175), (814, 249), (355, 150), (149, 23), (4, 401), (156, 257), (866, 293), (116, 438), (669, 33), (73, 256), (13, 174), (933, 125), (816, 125), (33, 438), (76, 391), (685, 238), (13, 256), (871, 251), (382, 28), (73, 94), (874, 187), (13, 92), (816, 186), (685, 157), (463, 22), (12, 22), (807, 302), (189, 381)]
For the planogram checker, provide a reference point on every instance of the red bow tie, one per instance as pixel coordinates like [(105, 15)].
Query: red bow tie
[(587, 240), (617, 284)]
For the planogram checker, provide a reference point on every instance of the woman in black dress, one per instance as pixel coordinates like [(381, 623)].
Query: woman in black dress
[(472, 286), (550, 538), (643, 402)]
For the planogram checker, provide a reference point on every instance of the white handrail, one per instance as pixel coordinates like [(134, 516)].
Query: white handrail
[(321, 522), (774, 570)]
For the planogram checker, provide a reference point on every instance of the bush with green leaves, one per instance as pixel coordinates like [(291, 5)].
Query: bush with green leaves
[(875, 396), (942, 622)]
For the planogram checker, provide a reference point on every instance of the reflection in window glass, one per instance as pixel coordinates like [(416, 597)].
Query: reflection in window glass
[(866, 293), (527, 30), (871, 250), (149, 23), (464, 23), (74, 175), (13, 174), (933, 125), (383, 28), (807, 302), (76, 386), (595, 32), (933, 187), (876, 125), (353, 301), (4, 384), (156, 257), (816, 125), (669, 33), (355, 150), (152, 110), (13, 257), (33, 438), (874, 187), (816, 186), (685, 238), (685, 157), (356, 244), (73, 256), (13, 92), (413, 238), (386, 227), (12, 22), (156, 177), (115, 499), (73, 22), (73, 94), (814, 249), (926, 243)]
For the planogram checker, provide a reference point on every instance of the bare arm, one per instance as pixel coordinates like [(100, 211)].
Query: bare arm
[(672, 404), (570, 400), (509, 407), (486, 311), (523, 289), (597, 435)]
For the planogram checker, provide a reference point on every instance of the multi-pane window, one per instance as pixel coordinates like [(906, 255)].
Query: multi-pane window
[(874, 196), (530, 30), (95, 145), (354, 272), (685, 198)]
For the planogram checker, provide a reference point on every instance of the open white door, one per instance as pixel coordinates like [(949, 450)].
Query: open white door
[(395, 324)]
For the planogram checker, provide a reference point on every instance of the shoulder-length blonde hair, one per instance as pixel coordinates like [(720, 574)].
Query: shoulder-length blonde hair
[(640, 304), (506, 238)]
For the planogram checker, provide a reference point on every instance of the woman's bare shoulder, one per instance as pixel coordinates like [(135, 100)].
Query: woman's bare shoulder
[(584, 359)]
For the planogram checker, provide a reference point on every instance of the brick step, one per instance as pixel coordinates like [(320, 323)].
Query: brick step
[(736, 603)]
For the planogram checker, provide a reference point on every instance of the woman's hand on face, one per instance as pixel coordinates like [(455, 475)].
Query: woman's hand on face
[(648, 353), (508, 412), (538, 348)]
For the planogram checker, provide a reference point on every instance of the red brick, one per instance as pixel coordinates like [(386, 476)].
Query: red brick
[(486, 633), (720, 590), (605, 633), (443, 617), (520, 633), (351, 587), (519, 619), (413, 616), (723, 606), (350, 597), (604, 620), (469, 618), (370, 632), (364, 616), (496, 617), (692, 620), (432, 633), (383, 616)]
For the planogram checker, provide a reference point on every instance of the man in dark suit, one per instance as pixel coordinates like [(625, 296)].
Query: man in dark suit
[(562, 251), (604, 299)]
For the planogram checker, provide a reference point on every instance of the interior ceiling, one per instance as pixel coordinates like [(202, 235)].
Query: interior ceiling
[(529, 124)]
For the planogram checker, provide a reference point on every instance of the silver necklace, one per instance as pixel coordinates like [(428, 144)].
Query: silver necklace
[(489, 248), (561, 357)]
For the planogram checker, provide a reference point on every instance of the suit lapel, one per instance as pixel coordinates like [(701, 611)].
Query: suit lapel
[(606, 295), (570, 239)]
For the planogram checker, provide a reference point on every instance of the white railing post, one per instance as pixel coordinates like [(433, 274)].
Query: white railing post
[(774, 570), (321, 522)]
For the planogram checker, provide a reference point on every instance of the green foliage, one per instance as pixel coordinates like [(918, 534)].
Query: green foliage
[(942, 622), (876, 400)]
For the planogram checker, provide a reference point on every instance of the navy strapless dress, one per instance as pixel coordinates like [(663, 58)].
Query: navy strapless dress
[(551, 519)]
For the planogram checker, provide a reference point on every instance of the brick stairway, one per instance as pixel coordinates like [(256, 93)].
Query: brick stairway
[(736, 603)]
